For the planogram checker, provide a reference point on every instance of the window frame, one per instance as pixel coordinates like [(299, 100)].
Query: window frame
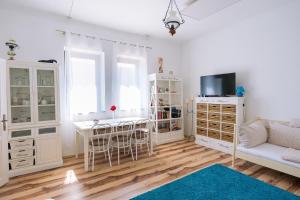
[(99, 58), (136, 62)]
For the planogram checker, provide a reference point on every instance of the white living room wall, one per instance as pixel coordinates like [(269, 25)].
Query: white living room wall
[(264, 52), (36, 34)]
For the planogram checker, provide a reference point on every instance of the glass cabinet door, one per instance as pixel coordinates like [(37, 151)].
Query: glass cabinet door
[(46, 95), (20, 95)]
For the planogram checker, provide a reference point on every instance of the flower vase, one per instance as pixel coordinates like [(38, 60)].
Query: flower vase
[(113, 115)]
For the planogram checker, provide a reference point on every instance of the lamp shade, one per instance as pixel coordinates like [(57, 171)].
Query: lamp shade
[(173, 18)]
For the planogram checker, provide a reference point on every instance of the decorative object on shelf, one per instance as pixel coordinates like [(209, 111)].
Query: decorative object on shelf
[(173, 18), (11, 45), (240, 91), (171, 74), (160, 62), (44, 102), (113, 108), (96, 121), (48, 61)]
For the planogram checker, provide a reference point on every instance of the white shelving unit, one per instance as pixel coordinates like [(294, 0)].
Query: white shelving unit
[(34, 142), (166, 108)]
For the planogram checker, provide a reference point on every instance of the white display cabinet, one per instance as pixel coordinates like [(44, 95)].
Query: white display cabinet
[(33, 117), (166, 108)]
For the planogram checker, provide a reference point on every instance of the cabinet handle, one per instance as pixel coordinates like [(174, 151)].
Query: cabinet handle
[(21, 150), (21, 140)]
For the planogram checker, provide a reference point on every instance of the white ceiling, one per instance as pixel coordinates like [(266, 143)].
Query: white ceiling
[(145, 16)]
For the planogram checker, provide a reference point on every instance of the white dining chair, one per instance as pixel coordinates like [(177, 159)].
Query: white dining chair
[(141, 135), (99, 142), (121, 138)]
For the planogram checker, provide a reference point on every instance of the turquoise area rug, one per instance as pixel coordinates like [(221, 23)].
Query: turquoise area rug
[(217, 182)]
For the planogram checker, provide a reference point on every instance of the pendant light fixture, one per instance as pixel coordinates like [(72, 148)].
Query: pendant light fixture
[(173, 18)]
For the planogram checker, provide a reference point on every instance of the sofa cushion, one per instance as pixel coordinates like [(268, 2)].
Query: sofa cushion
[(268, 151), (292, 155), (295, 123), (283, 135), (253, 134)]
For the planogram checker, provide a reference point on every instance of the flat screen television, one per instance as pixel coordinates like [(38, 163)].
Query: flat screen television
[(220, 85)]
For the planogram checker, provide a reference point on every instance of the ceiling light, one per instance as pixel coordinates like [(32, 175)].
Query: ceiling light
[(173, 18)]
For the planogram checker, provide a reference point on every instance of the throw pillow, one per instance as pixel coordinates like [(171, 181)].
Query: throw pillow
[(253, 134), (283, 135)]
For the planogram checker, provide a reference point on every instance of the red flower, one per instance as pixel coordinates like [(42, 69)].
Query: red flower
[(113, 108)]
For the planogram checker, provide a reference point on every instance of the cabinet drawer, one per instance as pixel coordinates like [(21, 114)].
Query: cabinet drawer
[(21, 163), (214, 125), (202, 131), (228, 108), (202, 123), (21, 153), (202, 115), (227, 137), (214, 107), (228, 128), (201, 107), (214, 116), (214, 134), (228, 118), (26, 143)]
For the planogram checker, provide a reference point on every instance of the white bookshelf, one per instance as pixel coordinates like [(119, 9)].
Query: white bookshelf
[(166, 108)]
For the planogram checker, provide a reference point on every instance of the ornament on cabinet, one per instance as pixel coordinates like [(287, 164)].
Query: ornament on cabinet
[(11, 45), (160, 63)]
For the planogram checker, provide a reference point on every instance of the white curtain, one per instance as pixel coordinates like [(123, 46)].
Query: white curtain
[(129, 80), (73, 43)]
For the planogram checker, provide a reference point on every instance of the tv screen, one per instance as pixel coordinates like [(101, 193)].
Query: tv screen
[(220, 85)]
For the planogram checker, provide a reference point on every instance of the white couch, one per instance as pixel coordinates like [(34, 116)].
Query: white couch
[(266, 154)]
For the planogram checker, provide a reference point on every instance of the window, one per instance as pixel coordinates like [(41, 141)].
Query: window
[(131, 86), (129, 90), (86, 83)]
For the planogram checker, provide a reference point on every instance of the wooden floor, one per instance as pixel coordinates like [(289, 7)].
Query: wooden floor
[(169, 162)]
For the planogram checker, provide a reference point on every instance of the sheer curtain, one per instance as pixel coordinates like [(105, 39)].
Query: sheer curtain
[(76, 44), (129, 80)]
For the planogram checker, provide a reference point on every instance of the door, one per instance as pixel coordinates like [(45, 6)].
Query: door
[(3, 125), (46, 95), (47, 145), (20, 93)]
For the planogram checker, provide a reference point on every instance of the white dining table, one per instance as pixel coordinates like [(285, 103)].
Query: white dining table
[(84, 128)]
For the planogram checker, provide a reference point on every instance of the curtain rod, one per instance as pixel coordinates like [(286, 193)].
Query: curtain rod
[(104, 39)]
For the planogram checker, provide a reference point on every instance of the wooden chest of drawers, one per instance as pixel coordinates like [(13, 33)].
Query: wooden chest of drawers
[(217, 120)]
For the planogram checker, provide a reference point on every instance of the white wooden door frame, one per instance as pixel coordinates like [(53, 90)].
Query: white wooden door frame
[(3, 130)]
